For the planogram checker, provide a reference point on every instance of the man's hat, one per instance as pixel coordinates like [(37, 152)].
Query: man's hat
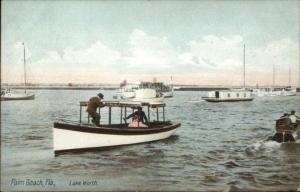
[(100, 95)]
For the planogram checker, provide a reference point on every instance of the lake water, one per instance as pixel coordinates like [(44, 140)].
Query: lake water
[(219, 145)]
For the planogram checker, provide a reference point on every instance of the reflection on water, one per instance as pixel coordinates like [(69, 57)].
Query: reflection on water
[(220, 146)]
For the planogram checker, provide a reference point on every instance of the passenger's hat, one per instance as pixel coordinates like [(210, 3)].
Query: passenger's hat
[(100, 95)]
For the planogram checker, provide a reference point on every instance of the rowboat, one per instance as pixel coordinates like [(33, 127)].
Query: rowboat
[(83, 136)]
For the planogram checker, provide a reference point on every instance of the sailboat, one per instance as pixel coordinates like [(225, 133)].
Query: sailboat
[(233, 94), (7, 94), (287, 91), (269, 91)]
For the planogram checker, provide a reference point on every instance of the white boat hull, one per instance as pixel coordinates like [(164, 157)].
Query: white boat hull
[(147, 96), (127, 95), (17, 96), (228, 96), (66, 140), (168, 94), (149, 100), (226, 100), (272, 93), (289, 93)]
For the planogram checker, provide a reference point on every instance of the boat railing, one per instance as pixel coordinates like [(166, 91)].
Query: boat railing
[(124, 106)]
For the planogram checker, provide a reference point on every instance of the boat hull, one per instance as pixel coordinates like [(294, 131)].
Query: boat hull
[(149, 100), (226, 100), (286, 131), (16, 97), (282, 137), (67, 137), (168, 94)]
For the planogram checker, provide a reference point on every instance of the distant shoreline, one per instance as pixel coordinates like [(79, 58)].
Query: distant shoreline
[(178, 88)]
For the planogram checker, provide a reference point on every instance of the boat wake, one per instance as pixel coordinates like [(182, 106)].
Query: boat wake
[(262, 146)]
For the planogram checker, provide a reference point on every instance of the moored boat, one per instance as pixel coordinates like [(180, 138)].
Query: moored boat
[(8, 95), (228, 96), (233, 94), (271, 92), (289, 91), (166, 90), (148, 95), (84, 136), (263, 92), (128, 91)]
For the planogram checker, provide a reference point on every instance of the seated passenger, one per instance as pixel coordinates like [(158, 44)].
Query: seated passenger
[(139, 118), (136, 123)]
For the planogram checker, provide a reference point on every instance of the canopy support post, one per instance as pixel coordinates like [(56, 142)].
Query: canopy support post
[(157, 116), (99, 114), (109, 116), (121, 115), (80, 114), (163, 114), (148, 113)]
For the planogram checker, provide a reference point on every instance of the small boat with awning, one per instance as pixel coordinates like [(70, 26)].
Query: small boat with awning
[(83, 136)]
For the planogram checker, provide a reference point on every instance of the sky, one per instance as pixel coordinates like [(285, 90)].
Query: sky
[(194, 42)]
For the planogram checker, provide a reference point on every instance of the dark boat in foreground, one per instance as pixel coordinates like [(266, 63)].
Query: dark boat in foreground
[(286, 131)]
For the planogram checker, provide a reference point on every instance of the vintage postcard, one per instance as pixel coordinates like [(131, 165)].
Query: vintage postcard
[(155, 95)]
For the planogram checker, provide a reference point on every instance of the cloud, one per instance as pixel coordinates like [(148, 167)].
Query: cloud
[(14, 54), (213, 53), (96, 55), (209, 58), (281, 53), (150, 52)]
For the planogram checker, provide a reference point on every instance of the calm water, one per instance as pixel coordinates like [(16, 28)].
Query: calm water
[(218, 145)]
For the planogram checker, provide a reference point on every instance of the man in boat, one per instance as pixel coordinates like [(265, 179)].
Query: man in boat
[(93, 104), (293, 117), (139, 118)]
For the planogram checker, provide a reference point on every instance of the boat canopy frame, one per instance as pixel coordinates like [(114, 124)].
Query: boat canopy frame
[(121, 104)]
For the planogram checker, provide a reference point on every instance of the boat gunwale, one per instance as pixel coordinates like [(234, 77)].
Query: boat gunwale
[(114, 131)]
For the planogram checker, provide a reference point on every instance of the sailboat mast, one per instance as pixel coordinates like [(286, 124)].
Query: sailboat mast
[(290, 75), (24, 70), (273, 75), (244, 66)]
